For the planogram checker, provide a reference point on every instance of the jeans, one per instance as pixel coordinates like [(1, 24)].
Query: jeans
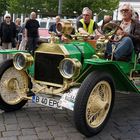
[(124, 48)]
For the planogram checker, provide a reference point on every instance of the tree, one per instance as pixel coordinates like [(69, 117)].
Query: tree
[(50, 7), (3, 6), (25, 6), (95, 5)]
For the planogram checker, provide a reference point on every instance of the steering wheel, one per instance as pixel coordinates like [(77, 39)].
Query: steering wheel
[(109, 30)]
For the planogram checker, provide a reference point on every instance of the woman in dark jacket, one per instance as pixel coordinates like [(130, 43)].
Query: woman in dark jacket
[(7, 34)]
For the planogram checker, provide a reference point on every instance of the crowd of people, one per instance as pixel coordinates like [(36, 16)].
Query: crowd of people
[(25, 36), (15, 35)]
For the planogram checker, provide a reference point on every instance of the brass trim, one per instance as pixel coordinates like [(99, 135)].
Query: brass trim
[(64, 50), (14, 86), (76, 68), (42, 87), (83, 73), (28, 60), (64, 27), (48, 87), (58, 49), (49, 83)]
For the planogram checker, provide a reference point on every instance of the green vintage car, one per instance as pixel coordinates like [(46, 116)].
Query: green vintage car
[(72, 75)]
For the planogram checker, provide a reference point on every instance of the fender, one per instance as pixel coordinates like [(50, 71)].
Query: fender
[(10, 51), (117, 70)]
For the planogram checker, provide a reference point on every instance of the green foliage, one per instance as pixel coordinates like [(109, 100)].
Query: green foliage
[(25, 6), (95, 5), (3, 6), (50, 7)]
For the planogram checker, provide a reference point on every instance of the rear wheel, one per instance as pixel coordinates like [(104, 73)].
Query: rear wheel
[(13, 87), (94, 103)]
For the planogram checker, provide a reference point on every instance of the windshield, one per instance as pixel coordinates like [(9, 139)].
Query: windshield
[(43, 24)]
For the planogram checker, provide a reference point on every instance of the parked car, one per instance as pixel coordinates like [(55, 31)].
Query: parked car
[(72, 75), (44, 27)]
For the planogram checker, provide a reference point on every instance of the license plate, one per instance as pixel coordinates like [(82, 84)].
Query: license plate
[(50, 102), (68, 98)]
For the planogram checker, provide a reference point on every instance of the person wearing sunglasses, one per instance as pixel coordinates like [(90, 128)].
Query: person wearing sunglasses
[(7, 34), (130, 35)]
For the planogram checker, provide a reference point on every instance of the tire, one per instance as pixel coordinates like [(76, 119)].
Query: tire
[(94, 103), (13, 87)]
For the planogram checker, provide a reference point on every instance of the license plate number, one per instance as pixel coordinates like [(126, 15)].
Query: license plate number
[(50, 102), (68, 98)]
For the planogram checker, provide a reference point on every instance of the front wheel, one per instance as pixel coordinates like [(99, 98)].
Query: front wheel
[(94, 103), (13, 87)]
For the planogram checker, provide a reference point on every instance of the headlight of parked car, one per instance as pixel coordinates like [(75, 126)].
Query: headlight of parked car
[(22, 60), (70, 68)]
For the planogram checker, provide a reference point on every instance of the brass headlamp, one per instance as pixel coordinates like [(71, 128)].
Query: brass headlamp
[(22, 60), (70, 68)]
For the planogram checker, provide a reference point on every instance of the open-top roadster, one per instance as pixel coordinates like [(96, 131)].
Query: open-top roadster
[(73, 75)]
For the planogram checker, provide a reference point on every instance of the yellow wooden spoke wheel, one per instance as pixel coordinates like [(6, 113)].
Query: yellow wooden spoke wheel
[(94, 103), (98, 104), (13, 87)]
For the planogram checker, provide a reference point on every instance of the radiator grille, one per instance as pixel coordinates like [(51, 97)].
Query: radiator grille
[(46, 68)]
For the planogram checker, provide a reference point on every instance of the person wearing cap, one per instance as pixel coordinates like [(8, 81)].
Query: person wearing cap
[(86, 25), (32, 33), (7, 34)]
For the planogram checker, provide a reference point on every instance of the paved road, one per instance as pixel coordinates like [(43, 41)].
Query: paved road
[(35, 122)]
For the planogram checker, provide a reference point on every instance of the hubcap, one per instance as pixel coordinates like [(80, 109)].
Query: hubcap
[(98, 104), (13, 86)]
